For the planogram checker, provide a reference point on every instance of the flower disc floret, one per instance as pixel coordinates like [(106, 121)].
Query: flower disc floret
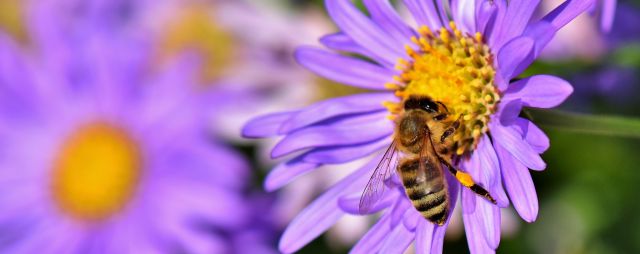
[(454, 69)]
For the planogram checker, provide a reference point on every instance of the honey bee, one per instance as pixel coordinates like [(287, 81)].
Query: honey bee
[(422, 137)]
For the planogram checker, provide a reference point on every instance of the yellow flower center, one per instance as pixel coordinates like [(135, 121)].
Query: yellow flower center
[(12, 19), (96, 172), (196, 29), (454, 69)]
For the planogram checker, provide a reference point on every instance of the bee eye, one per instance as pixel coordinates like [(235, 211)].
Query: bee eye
[(424, 104), (429, 106)]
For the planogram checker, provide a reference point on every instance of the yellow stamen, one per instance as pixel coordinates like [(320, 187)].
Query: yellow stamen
[(457, 72), (96, 172)]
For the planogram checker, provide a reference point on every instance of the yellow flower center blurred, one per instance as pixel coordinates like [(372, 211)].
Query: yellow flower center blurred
[(96, 172), (195, 28), (12, 19), (454, 69)]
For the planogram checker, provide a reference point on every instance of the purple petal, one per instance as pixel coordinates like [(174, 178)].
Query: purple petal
[(544, 30), (398, 210), (341, 154), (540, 91), (411, 219), (323, 212), (541, 32), (509, 110), (344, 69), (486, 13), (353, 104), (372, 241), (477, 243), (484, 167), (266, 125), (607, 14), (494, 25), (487, 216), (383, 14), (519, 184), (424, 236), (351, 204), (398, 240), (439, 231), (464, 14), (286, 172), (567, 11), (343, 133), (342, 42), (516, 18), (514, 57), (509, 138), (363, 31), (424, 13), (533, 135)]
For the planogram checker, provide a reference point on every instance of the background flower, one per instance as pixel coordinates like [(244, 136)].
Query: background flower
[(101, 154)]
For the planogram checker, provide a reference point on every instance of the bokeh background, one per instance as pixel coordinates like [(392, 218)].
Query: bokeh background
[(588, 194)]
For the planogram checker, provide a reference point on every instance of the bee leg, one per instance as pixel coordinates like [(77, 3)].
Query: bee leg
[(452, 128), (466, 180)]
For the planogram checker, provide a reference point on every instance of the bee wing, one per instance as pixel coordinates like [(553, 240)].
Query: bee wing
[(375, 187), (429, 160)]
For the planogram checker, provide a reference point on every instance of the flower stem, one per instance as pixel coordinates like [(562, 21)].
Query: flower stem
[(583, 123)]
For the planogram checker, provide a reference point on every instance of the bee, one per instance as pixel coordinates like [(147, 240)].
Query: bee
[(423, 138)]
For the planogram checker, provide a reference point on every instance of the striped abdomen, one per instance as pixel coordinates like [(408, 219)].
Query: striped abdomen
[(427, 190)]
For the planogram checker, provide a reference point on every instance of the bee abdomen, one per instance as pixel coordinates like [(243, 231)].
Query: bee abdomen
[(428, 193)]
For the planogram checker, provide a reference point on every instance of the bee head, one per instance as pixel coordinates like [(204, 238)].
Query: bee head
[(421, 103)]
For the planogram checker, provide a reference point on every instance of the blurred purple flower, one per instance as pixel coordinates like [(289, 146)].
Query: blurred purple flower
[(344, 129), (605, 10), (100, 156)]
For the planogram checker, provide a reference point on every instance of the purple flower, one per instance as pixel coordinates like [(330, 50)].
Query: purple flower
[(102, 155), (466, 63), (605, 10)]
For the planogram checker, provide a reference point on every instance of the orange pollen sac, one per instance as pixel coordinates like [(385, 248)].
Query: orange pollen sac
[(96, 172), (456, 70)]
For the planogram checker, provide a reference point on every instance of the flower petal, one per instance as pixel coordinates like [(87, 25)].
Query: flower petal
[(472, 228), (607, 15), (341, 154), (323, 212), (286, 172), (411, 219), (517, 17), (439, 231), (398, 240), (353, 104), (351, 204), (514, 57), (484, 167), (424, 13), (544, 30), (486, 13), (464, 14), (266, 125), (533, 135), (540, 91), (510, 139), (424, 236), (383, 13), (363, 31), (567, 11), (398, 210), (347, 132), (344, 69), (372, 241), (519, 184), (342, 42), (508, 110)]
